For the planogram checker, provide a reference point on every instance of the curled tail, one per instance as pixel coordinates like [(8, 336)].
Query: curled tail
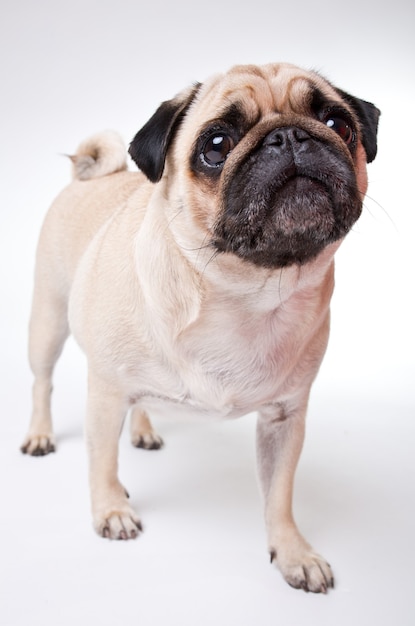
[(99, 155)]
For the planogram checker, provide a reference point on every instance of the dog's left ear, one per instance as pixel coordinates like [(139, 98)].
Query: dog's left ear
[(368, 116), (149, 147)]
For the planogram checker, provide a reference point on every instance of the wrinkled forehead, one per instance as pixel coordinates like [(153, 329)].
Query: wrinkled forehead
[(259, 91)]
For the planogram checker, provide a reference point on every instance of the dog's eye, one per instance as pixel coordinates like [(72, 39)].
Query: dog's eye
[(340, 126), (216, 149)]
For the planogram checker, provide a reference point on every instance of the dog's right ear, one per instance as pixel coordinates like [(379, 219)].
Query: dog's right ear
[(149, 147)]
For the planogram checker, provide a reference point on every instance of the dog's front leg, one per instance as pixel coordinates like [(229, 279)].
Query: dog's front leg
[(280, 436), (113, 517)]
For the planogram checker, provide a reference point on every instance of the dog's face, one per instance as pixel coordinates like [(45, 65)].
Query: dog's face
[(269, 161)]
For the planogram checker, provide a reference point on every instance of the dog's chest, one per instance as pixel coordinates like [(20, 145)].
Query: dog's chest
[(222, 366)]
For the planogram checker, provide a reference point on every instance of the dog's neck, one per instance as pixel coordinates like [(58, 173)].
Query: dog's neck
[(219, 276)]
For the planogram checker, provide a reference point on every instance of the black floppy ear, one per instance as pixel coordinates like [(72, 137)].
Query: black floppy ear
[(149, 147), (368, 116)]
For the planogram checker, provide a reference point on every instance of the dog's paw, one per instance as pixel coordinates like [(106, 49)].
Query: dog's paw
[(142, 432), (38, 445), (119, 523), (302, 568), (148, 441)]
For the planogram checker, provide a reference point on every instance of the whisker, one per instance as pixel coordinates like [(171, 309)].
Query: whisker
[(197, 248), (203, 246), (382, 208), (210, 259), (282, 300)]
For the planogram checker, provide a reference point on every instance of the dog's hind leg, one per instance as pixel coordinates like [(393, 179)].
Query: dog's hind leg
[(142, 432), (47, 334)]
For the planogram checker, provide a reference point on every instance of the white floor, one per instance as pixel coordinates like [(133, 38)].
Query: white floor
[(69, 69), (202, 558)]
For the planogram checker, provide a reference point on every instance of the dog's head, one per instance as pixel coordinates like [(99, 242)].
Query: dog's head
[(270, 161)]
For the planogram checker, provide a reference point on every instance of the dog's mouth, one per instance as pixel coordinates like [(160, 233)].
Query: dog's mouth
[(284, 208)]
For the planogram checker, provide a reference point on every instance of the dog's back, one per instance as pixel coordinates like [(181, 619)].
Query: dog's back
[(100, 185)]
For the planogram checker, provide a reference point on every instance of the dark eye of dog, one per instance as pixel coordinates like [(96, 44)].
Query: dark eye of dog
[(341, 126), (216, 149)]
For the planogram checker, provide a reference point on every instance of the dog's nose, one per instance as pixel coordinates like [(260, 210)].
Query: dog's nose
[(289, 135)]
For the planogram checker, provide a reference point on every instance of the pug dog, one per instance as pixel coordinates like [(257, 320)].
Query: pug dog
[(201, 284)]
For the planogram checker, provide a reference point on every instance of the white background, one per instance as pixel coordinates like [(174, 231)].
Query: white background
[(72, 68)]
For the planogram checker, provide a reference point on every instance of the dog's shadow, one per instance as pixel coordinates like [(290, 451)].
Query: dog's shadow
[(201, 467)]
